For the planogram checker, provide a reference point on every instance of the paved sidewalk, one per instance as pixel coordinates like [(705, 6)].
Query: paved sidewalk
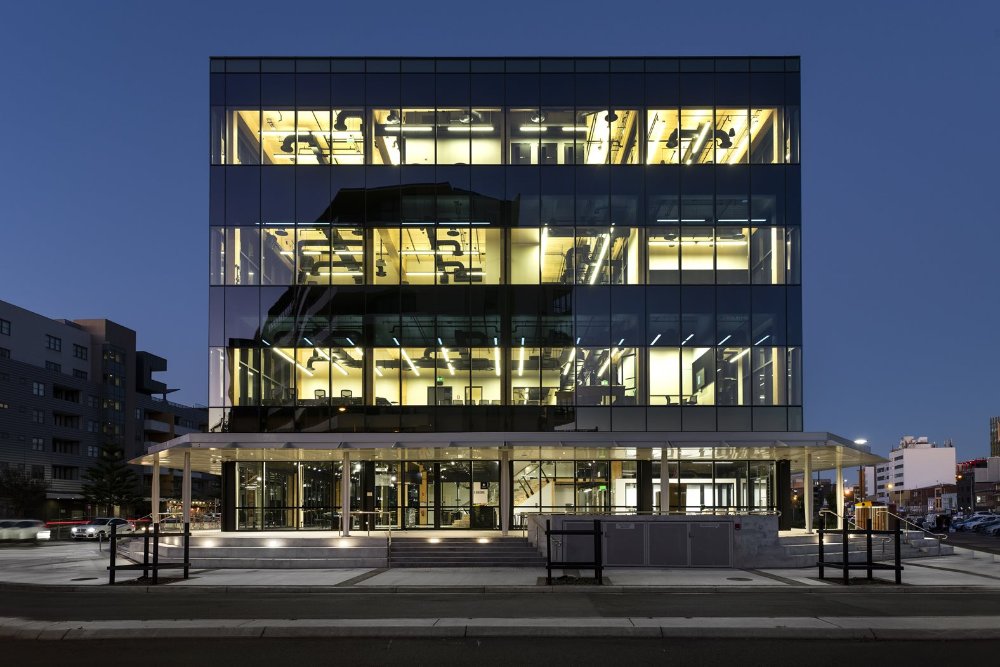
[(828, 627), (83, 564)]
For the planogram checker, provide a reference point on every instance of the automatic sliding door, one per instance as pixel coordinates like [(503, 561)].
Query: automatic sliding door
[(419, 483)]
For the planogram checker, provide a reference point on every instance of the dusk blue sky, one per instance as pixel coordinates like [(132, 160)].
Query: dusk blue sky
[(104, 176)]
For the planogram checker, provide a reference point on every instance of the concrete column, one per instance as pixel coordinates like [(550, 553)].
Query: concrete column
[(807, 492), (840, 496), (345, 496), (506, 508), (186, 489), (154, 489)]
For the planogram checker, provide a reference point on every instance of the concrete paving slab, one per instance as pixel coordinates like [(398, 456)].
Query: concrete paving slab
[(459, 576), (688, 577), (272, 577)]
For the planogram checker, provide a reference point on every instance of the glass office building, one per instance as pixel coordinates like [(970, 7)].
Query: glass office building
[(482, 287)]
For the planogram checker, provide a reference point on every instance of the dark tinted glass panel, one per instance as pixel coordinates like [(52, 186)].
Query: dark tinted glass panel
[(557, 89), (733, 325), (347, 201), (522, 90), (242, 89), (663, 309), (277, 198), (347, 90), (242, 319), (593, 315), (312, 194), (242, 196), (312, 89), (698, 319), (277, 89), (768, 315), (628, 317)]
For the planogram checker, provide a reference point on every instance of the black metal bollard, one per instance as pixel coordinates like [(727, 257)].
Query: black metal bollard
[(899, 565), (598, 553), (145, 553), (111, 565), (868, 538), (187, 542), (820, 545)]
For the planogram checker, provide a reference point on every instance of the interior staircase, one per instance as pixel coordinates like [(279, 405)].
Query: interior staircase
[(495, 551)]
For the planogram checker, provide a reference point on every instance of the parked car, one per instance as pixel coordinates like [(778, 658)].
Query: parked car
[(993, 530), (981, 526), (974, 521), (100, 527), (23, 530)]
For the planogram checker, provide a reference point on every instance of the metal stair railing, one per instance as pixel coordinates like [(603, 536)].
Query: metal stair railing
[(939, 538)]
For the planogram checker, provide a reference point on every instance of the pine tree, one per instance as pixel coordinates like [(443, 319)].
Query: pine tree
[(110, 481)]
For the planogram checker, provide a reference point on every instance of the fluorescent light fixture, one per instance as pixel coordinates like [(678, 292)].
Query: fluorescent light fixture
[(444, 351), (439, 341), (292, 361), (655, 339), (725, 339), (308, 342), (350, 342), (700, 141), (496, 359), (577, 340), (574, 128), (520, 363), (533, 128), (265, 342), (544, 242), (437, 252), (690, 336), (323, 354), (339, 368), (311, 252), (742, 220), (409, 361), (378, 371), (395, 340), (600, 259), (451, 369), (287, 253), (347, 252), (470, 128), (396, 129), (604, 366), (763, 339), (621, 342)]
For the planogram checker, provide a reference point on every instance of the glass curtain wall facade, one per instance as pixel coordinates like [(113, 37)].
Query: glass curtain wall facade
[(504, 245), (462, 245)]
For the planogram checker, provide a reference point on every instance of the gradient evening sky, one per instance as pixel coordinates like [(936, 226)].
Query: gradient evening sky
[(104, 176)]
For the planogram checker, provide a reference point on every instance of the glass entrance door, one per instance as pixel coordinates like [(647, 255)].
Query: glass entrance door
[(420, 491)]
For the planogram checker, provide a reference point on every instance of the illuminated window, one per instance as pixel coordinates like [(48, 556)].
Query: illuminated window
[(664, 376), (525, 127), (766, 136), (698, 375), (732, 136), (386, 134), (242, 139), (695, 138), (347, 137), (278, 140), (664, 256), (662, 137)]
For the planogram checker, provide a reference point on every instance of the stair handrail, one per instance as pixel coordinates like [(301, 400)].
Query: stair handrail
[(851, 522), (939, 538)]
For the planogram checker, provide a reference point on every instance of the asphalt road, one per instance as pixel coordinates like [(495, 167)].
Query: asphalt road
[(179, 603), (480, 652)]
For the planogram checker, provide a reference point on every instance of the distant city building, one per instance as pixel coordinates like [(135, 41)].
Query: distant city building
[(916, 463), (67, 387), (978, 483), (994, 436)]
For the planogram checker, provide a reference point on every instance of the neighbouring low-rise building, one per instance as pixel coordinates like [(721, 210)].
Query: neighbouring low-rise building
[(915, 463), (68, 387)]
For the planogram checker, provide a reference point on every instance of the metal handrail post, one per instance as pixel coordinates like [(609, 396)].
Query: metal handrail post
[(111, 565)]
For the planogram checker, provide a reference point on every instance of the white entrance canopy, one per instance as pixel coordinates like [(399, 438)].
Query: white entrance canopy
[(208, 451)]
